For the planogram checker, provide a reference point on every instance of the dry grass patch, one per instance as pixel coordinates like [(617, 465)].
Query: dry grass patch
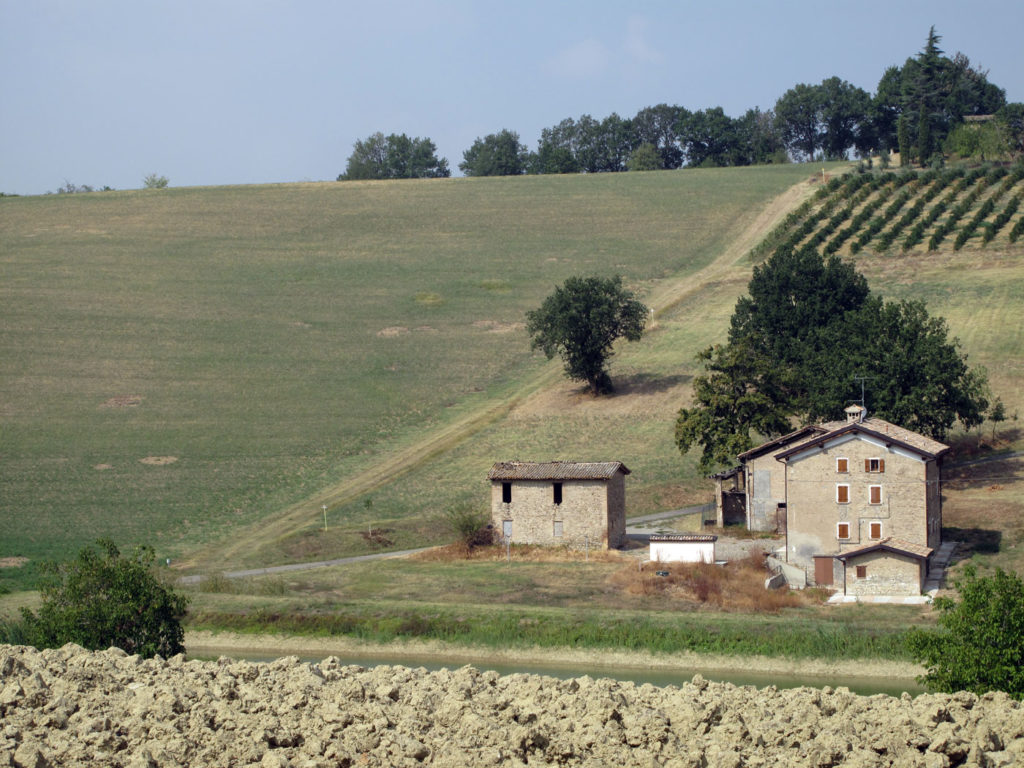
[(158, 461), (736, 586), (520, 553)]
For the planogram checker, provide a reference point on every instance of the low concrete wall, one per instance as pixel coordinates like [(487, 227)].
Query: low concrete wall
[(796, 577)]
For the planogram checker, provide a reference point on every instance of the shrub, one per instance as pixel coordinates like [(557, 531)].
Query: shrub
[(470, 525), (153, 181), (101, 599), (980, 644)]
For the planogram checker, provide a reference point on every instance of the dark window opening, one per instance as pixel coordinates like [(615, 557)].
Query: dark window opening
[(506, 493), (558, 493)]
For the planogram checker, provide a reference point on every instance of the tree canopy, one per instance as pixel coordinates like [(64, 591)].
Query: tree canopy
[(394, 157), (979, 645), (581, 320), (497, 154), (798, 345), (102, 599)]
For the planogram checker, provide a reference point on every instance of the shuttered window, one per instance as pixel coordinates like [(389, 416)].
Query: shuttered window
[(842, 494), (874, 494), (862, 571), (874, 531), (843, 531), (874, 465), (842, 466)]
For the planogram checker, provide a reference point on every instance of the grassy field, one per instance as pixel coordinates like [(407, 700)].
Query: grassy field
[(202, 369), (555, 600), (180, 366)]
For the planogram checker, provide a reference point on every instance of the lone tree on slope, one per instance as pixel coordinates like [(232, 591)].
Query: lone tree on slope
[(580, 322)]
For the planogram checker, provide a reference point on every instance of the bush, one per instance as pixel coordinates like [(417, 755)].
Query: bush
[(153, 181), (101, 599), (470, 525), (980, 644)]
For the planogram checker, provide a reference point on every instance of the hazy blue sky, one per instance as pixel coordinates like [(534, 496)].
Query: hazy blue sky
[(252, 91)]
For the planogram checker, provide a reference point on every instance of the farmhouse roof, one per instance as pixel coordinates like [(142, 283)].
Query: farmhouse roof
[(555, 470), (890, 544), (882, 430), (799, 434)]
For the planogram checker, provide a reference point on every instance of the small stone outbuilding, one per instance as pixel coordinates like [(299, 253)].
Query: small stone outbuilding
[(891, 567), (576, 504)]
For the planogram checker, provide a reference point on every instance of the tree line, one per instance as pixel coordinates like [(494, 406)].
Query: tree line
[(918, 110)]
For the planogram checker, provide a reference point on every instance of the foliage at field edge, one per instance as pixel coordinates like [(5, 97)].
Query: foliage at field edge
[(101, 599), (979, 645), (524, 627)]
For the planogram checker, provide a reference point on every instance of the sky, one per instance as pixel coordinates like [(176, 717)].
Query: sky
[(210, 92)]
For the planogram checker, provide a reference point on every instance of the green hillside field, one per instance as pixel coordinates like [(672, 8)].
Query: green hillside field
[(204, 369)]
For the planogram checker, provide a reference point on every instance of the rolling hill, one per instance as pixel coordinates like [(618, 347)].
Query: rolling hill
[(204, 369)]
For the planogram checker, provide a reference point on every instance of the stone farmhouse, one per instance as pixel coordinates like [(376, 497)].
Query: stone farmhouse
[(858, 501), (577, 504)]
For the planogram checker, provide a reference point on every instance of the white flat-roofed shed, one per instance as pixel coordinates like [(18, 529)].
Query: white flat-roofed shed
[(683, 548)]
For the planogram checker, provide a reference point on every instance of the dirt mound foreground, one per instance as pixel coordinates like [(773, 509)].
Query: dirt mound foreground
[(74, 707)]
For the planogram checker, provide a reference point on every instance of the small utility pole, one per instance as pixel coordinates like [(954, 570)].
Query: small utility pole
[(324, 508)]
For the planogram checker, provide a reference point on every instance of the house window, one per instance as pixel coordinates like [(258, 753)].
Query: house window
[(557, 487), (506, 493), (862, 571), (843, 531), (558, 529), (842, 466), (842, 494), (874, 465), (874, 494), (874, 531)]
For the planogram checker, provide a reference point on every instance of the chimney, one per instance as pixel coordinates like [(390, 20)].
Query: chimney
[(855, 413)]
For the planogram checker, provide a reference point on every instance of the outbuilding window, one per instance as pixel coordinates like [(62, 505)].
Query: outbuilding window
[(558, 529), (862, 571), (506, 493), (557, 492)]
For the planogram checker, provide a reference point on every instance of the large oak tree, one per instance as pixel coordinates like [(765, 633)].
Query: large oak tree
[(799, 347)]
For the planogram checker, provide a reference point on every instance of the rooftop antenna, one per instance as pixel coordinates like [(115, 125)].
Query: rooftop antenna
[(862, 379)]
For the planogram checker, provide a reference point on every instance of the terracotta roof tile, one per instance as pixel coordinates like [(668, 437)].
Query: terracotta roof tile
[(555, 470), (893, 545)]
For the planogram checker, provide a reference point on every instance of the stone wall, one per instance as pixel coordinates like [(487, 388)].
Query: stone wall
[(592, 512), (887, 573)]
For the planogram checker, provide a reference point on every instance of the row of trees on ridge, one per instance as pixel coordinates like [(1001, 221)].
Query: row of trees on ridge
[(914, 110)]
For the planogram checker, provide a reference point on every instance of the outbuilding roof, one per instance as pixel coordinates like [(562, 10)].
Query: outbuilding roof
[(890, 544), (689, 538), (555, 470)]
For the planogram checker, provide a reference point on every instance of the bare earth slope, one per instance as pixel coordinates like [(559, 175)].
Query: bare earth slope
[(71, 707)]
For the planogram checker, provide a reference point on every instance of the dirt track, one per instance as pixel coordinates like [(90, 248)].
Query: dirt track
[(530, 398), (71, 707)]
